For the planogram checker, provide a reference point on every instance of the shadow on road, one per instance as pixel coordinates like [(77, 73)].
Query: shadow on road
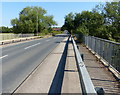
[(56, 85)]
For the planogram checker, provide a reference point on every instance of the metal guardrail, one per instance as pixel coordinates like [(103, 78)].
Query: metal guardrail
[(108, 50), (86, 82)]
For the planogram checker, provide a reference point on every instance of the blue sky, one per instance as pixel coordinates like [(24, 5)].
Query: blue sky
[(11, 10)]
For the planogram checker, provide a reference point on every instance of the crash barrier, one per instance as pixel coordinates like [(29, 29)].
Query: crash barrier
[(86, 82)]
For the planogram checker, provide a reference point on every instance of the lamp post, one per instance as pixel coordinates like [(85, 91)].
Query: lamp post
[(37, 22)]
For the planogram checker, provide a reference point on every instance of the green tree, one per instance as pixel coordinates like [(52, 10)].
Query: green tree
[(111, 13), (32, 20), (103, 21), (88, 21), (4, 29), (69, 22), (112, 18)]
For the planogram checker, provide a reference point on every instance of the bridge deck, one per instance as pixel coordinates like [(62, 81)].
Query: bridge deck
[(48, 77), (99, 74)]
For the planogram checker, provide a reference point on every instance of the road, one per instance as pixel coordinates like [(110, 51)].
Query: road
[(19, 60)]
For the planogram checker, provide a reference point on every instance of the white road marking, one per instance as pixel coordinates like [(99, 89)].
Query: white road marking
[(32, 45), (3, 56), (15, 44)]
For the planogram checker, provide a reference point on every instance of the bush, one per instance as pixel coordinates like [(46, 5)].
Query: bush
[(57, 32)]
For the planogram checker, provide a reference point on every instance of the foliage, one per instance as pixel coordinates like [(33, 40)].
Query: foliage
[(103, 21), (4, 29), (46, 32), (82, 29), (69, 24), (57, 32), (32, 20)]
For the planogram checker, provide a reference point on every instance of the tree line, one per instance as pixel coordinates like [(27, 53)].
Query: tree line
[(4, 29), (32, 19), (103, 21)]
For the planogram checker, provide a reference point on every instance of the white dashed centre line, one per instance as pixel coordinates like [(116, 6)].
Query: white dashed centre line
[(32, 45)]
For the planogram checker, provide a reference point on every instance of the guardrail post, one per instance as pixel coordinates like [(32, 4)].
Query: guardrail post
[(99, 90), (82, 56)]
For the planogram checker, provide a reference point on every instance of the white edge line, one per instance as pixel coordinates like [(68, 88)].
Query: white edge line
[(3, 56)]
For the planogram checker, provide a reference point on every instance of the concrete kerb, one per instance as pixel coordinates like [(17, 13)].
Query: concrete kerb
[(17, 40)]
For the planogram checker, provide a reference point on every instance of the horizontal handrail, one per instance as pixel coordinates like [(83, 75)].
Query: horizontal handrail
[(105, 40), (107, 50), (86, 82)]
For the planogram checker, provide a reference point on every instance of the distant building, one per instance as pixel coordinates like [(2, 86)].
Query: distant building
[(56, 28)]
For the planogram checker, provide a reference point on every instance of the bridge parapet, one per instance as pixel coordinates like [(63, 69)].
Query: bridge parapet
[(106, 50)]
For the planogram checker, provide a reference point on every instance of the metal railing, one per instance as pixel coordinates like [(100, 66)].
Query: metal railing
[(4, 36), (86, 82), (108, 50)]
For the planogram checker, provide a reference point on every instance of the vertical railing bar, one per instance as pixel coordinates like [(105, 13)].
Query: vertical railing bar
[(108, 50)]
